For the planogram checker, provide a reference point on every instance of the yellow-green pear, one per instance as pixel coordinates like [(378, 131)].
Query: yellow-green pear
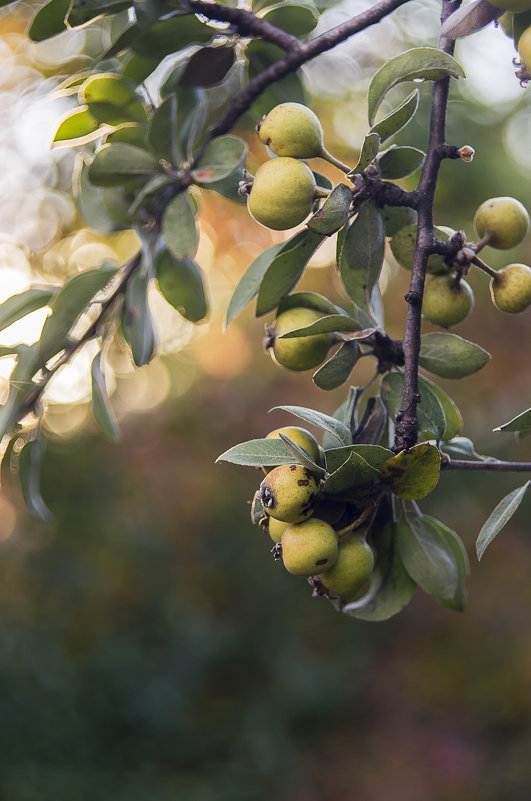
[(292, 129), (309, 547), (447, 302), (304, 352), (276, 528), (404, 243), (510, 289), (301, 437), (350, 576), (289, 493), (504, 219), (282, 193), (524, 47)]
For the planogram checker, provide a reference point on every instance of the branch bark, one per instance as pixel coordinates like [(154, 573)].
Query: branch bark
[(492, 466)]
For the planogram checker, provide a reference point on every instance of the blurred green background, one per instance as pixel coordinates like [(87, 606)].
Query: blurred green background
[(151, 649)]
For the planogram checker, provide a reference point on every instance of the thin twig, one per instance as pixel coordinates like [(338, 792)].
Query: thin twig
[(491, 465)]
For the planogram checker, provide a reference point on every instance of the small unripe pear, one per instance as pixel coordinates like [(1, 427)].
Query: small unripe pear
[(447, 302), (403, 245), (504, 219), (505, 22), (292, 129), (289, 493), (300, 437), (276, 528), (511, 288), (309, 547), (524, 47), (304, 352), (513, 5), (350, 577), (282, 193)]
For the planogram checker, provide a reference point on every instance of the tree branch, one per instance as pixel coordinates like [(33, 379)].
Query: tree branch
[(406, 420), (494, 465)]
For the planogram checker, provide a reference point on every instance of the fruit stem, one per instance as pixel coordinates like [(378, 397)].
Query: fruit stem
[(358, 522), (485, 267), (336, 162), (321, 192), (483, 241)]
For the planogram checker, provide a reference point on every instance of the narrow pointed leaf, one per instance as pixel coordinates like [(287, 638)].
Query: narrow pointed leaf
[(20, 385), (309, 300), (499, 517), (137, 323), (397, 119), (334, 212), (398, 162), (162, 133), (219, 159), (452, 416), (335, 427), (49, 20), (178, 226), (427, 557), (520, 423), (450, 356), (369, 151), (79, 126), (362, 255), (302, 456), (259, 453), (101, 405), (249, 284), (336, 370), (181, 283), (29, 469), (18, 306), (325, 325)]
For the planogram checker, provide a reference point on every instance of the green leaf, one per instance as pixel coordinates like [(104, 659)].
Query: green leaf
[(398, 162), (20, 385), (362, 255), (461, 448), (178, 226), (452, 415), (374, 455), (181, 283), (451, 356), (325, 325), (87, 10), (262, 55), (369, 151), (49, 20), (392, 587), (91, 206), (413, 474), (336, 370), (499, 517), (101, 405), (333, 214), (426, 63), (219, 159), (207, 66), (293, 16), (112, 99), (430, 413), (428, 557), (68, 306), (461, 560), (323, 421), (29, 468), (286, 269), (308, 300), (171, 35), (162, 133), (130, 133), (354, 472), (398, 118), (137, 323), (122, 165), (78, 126), (18, 306), (249, 284), (259, 453), (520, 423)]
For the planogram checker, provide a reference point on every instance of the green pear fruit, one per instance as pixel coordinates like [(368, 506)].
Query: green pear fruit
[(304, 352), (282, 193), (505, 22), (292, 129), (513, 5), (403, 245), (511, 288), (504, 219), (350, 577), (395, 218), (289, 493), (309, 547), (447, 302), (276, 528), (301, 437), (524, 48)]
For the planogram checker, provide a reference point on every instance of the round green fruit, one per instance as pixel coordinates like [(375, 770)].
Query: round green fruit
[(276, 528), (292, 129), (282, 193), (447, 302), (524, 48), (300, 437), (309, 547), (511, 288), (505, 22), (513, 5), (351, 575), (289, 493), (304, 352), (504, 219), (404, 243)]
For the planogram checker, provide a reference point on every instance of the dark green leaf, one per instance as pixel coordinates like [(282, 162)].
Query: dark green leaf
[(171, 35), (452, 415), (181, 283), (499, 517), (372, 426), (122, 165), (29, 468), (249, 284), (415, 473), (293, 16), (162, 134), (259, 453), (302, 456), (112, 99), (219, 159), (426, 63), (333, 214), (18, 306), (430, 413), (398, 118), (451, 356), (354, 472), (520, 423), (397, 217), (398, 162), (369, 151), (87, 10), (101, 406), (286, 269), (49, 20), (78, 125), (374, 455), (68, 305), (362, 255), (178, 226), (325, 325), (131, 133), (461, 448), (338, 368), (323, 421), (137, 323), (20, 385), (207, 66)]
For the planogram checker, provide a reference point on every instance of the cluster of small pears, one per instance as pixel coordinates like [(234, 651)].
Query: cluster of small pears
[(340, 563), (502, 223), (512, 23)]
